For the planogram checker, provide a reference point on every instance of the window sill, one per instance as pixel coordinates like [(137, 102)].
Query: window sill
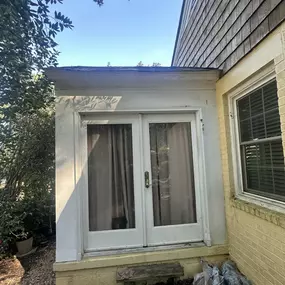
[(263, 208)]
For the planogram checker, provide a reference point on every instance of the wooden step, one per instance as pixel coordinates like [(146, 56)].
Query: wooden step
[(150, 271)]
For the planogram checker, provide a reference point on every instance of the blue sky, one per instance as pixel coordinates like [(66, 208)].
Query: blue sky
[(121, 32)]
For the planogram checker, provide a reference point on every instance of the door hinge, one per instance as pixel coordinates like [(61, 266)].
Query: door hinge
[(202, 124), (146, 179)]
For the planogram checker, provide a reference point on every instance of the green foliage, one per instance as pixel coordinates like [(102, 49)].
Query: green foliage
[(27, 47), (155, 64), (27, 201), (12, 226), (27, 158), (22, 218)]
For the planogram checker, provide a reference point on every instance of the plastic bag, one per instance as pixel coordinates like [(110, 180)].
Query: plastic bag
[(199, 279), (229, 275), (208, 272), (217, 279), (209, 276), (232, 276)]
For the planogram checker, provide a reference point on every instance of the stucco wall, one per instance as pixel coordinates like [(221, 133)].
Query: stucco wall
[(256, 235), (141, 93)]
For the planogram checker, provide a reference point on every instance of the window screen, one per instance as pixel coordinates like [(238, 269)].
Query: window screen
[(261, 143)]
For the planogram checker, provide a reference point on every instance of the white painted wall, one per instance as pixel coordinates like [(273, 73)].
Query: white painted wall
[(146, 93)]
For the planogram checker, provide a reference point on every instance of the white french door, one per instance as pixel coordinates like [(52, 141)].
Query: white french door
[(141, 181), (172, 196), (112, 196)]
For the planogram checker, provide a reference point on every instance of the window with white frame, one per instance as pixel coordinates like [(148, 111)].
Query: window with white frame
[(260, 143)]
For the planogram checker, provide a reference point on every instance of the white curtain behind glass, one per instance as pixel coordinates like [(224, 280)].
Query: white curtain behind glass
[(110, 177), (172, 174)]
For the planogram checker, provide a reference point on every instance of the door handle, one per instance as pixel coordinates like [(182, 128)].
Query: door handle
[(146, 179)]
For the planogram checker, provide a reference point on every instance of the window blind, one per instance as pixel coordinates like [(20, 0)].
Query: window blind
[(261, 142)]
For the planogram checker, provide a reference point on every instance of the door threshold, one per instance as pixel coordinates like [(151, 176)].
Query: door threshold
[(143, 249)]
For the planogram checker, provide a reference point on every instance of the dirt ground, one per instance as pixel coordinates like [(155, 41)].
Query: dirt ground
[(34, 269)]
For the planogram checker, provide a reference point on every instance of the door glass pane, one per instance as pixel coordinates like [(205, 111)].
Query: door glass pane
[(110, 177), (172, 174)]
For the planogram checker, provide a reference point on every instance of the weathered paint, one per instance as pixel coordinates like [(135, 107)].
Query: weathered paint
[(163, 92)]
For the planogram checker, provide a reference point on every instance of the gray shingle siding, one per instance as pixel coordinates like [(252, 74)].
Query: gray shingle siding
[(218, 33)]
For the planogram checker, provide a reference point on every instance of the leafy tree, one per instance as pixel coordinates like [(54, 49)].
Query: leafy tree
[(27, 47), (154, 64)]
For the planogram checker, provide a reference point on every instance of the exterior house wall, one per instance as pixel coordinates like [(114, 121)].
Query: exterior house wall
[(142, 93), (220, 33), (256, 232)]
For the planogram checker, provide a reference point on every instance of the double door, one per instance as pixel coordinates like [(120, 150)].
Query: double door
[(142, 185)]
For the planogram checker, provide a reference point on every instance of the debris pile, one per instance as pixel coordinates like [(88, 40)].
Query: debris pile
[(227, 275)]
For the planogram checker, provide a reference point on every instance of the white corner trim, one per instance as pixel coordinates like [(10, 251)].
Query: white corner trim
[(203, 177)]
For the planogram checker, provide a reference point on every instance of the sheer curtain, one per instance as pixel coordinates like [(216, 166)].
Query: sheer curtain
[(110, 177), (172, 174)]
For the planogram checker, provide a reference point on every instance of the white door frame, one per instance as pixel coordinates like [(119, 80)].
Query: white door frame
[(83, 118), (171, 234), (112, 239)]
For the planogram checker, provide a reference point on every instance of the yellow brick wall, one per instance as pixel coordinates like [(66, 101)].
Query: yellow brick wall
[(256, 236)]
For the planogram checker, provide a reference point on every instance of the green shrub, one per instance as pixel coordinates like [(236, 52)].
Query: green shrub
[(27, 172)]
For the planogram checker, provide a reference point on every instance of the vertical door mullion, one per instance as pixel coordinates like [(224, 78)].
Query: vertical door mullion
[(143, 153), (147, 191)]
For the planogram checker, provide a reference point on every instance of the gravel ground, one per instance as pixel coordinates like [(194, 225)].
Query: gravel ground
[(34, 269)]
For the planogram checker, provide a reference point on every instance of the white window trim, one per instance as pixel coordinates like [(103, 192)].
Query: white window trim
[(263, 77), (79, 165)]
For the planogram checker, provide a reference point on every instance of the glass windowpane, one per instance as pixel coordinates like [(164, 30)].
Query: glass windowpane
[(110, 177), (256, 103), (262, 160), (245, 129), (258, 128), (172, 174), (272, 121), (270, 96)]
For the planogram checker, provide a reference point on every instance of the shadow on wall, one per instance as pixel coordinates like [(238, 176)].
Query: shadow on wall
[(69, 183)]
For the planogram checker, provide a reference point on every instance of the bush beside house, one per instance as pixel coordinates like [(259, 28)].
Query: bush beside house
[(27, 172)]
